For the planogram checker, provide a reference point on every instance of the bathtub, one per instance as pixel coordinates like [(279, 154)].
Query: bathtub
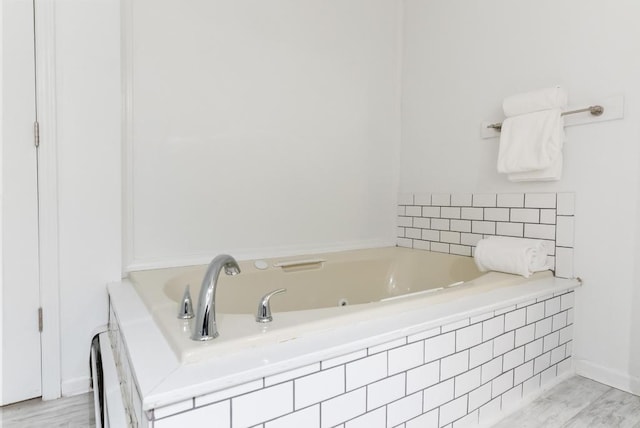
[(339, 309)]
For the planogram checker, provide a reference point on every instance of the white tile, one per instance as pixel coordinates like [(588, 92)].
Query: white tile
[(505, 309), (423, 335), (535, 312), (404, 221), (512, 398), (564, 232), (421, 245), (492, 328), (421, 222), (472, 213), (511, 200), (439, 346), (163, 412), (400, 210), (479, 396), (405, 357), (375, 419), (569, 348), (455, 325), (366, 370), (523, 372), (426, 420), (461, 200), (542, 363), (531, 385), (405, 199), (433, 212), (543, 327), (566, 334), (442, 199), (548, 216), (413, 233), (385, 391), (404, 242), (539, 231), (502, 383), (343, 359), (480, 354), (343, 407), (525, 215), (421, 199), (439, 224), (404, 409), (468, 337), (309, 417), (566, 203), (557, 355), (400, 232), (461, 250), (548, 375), (510, 229), (564, 262), (515, 319), (513, 358), (533, 350), (258, 406), (491, 369), (496, 214), (570, 313), (526, 303), (484, 227), (439, 247), (454, 364), (228, 393), (423, 377), (552, 306), (525, 334), (470, 238), (490, 410), (450, 237), (431, 235), (540, 200), (504, 343), (565, 366), (386, 346), (413, 211), (482, 317), (484, 199), (317, 387), (291, 374), (467, 382), (566, 301), (460, 225), (453, 410), (450, 212), (438, 395), (198, 417)]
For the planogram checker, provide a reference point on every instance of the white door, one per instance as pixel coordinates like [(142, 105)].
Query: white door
[(21, 354)]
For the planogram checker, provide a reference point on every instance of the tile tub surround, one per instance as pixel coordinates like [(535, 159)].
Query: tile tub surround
[(430, 365), (454, 223)]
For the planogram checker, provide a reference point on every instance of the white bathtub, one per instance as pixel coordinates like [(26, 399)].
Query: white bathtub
[(391, 314), (324, 291)]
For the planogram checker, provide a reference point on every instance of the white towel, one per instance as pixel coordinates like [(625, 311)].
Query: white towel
[(511, 255), (553, 173), (530, 142), (529, 102)]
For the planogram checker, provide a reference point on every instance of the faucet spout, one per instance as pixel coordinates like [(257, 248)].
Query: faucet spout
[(205, 327)]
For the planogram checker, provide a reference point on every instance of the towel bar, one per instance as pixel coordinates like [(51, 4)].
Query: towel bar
[(594, 110)]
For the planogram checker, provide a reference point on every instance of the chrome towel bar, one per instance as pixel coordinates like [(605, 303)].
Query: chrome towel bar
[(594, 110)]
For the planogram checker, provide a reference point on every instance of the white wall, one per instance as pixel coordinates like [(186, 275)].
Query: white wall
[(461, 58), (89, 174), (262, 128)]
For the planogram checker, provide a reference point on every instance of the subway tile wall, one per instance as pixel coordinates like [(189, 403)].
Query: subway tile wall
[(454, 223), (458, 375)]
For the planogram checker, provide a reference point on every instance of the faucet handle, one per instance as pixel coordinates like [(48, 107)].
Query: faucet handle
[(264, 308), (185, 311)]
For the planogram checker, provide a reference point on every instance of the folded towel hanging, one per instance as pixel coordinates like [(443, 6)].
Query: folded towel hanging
[(511, 255), (529, 102)]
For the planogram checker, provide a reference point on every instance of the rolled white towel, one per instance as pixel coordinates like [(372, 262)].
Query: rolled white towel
[(511, 255)]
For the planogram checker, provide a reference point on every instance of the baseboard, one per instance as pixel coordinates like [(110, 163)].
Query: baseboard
[(77, 386), (607, 376)]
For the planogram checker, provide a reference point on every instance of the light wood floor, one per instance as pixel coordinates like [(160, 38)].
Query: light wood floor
[(71, 412), (575, 403), (578, 402)]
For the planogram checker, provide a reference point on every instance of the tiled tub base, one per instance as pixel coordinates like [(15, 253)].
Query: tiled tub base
[(456, 375)]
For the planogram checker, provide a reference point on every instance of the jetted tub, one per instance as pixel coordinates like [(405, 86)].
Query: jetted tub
[(324, 291)]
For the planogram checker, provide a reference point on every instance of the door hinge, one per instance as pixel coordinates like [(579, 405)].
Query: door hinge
[(36, 134), (40, 321)]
